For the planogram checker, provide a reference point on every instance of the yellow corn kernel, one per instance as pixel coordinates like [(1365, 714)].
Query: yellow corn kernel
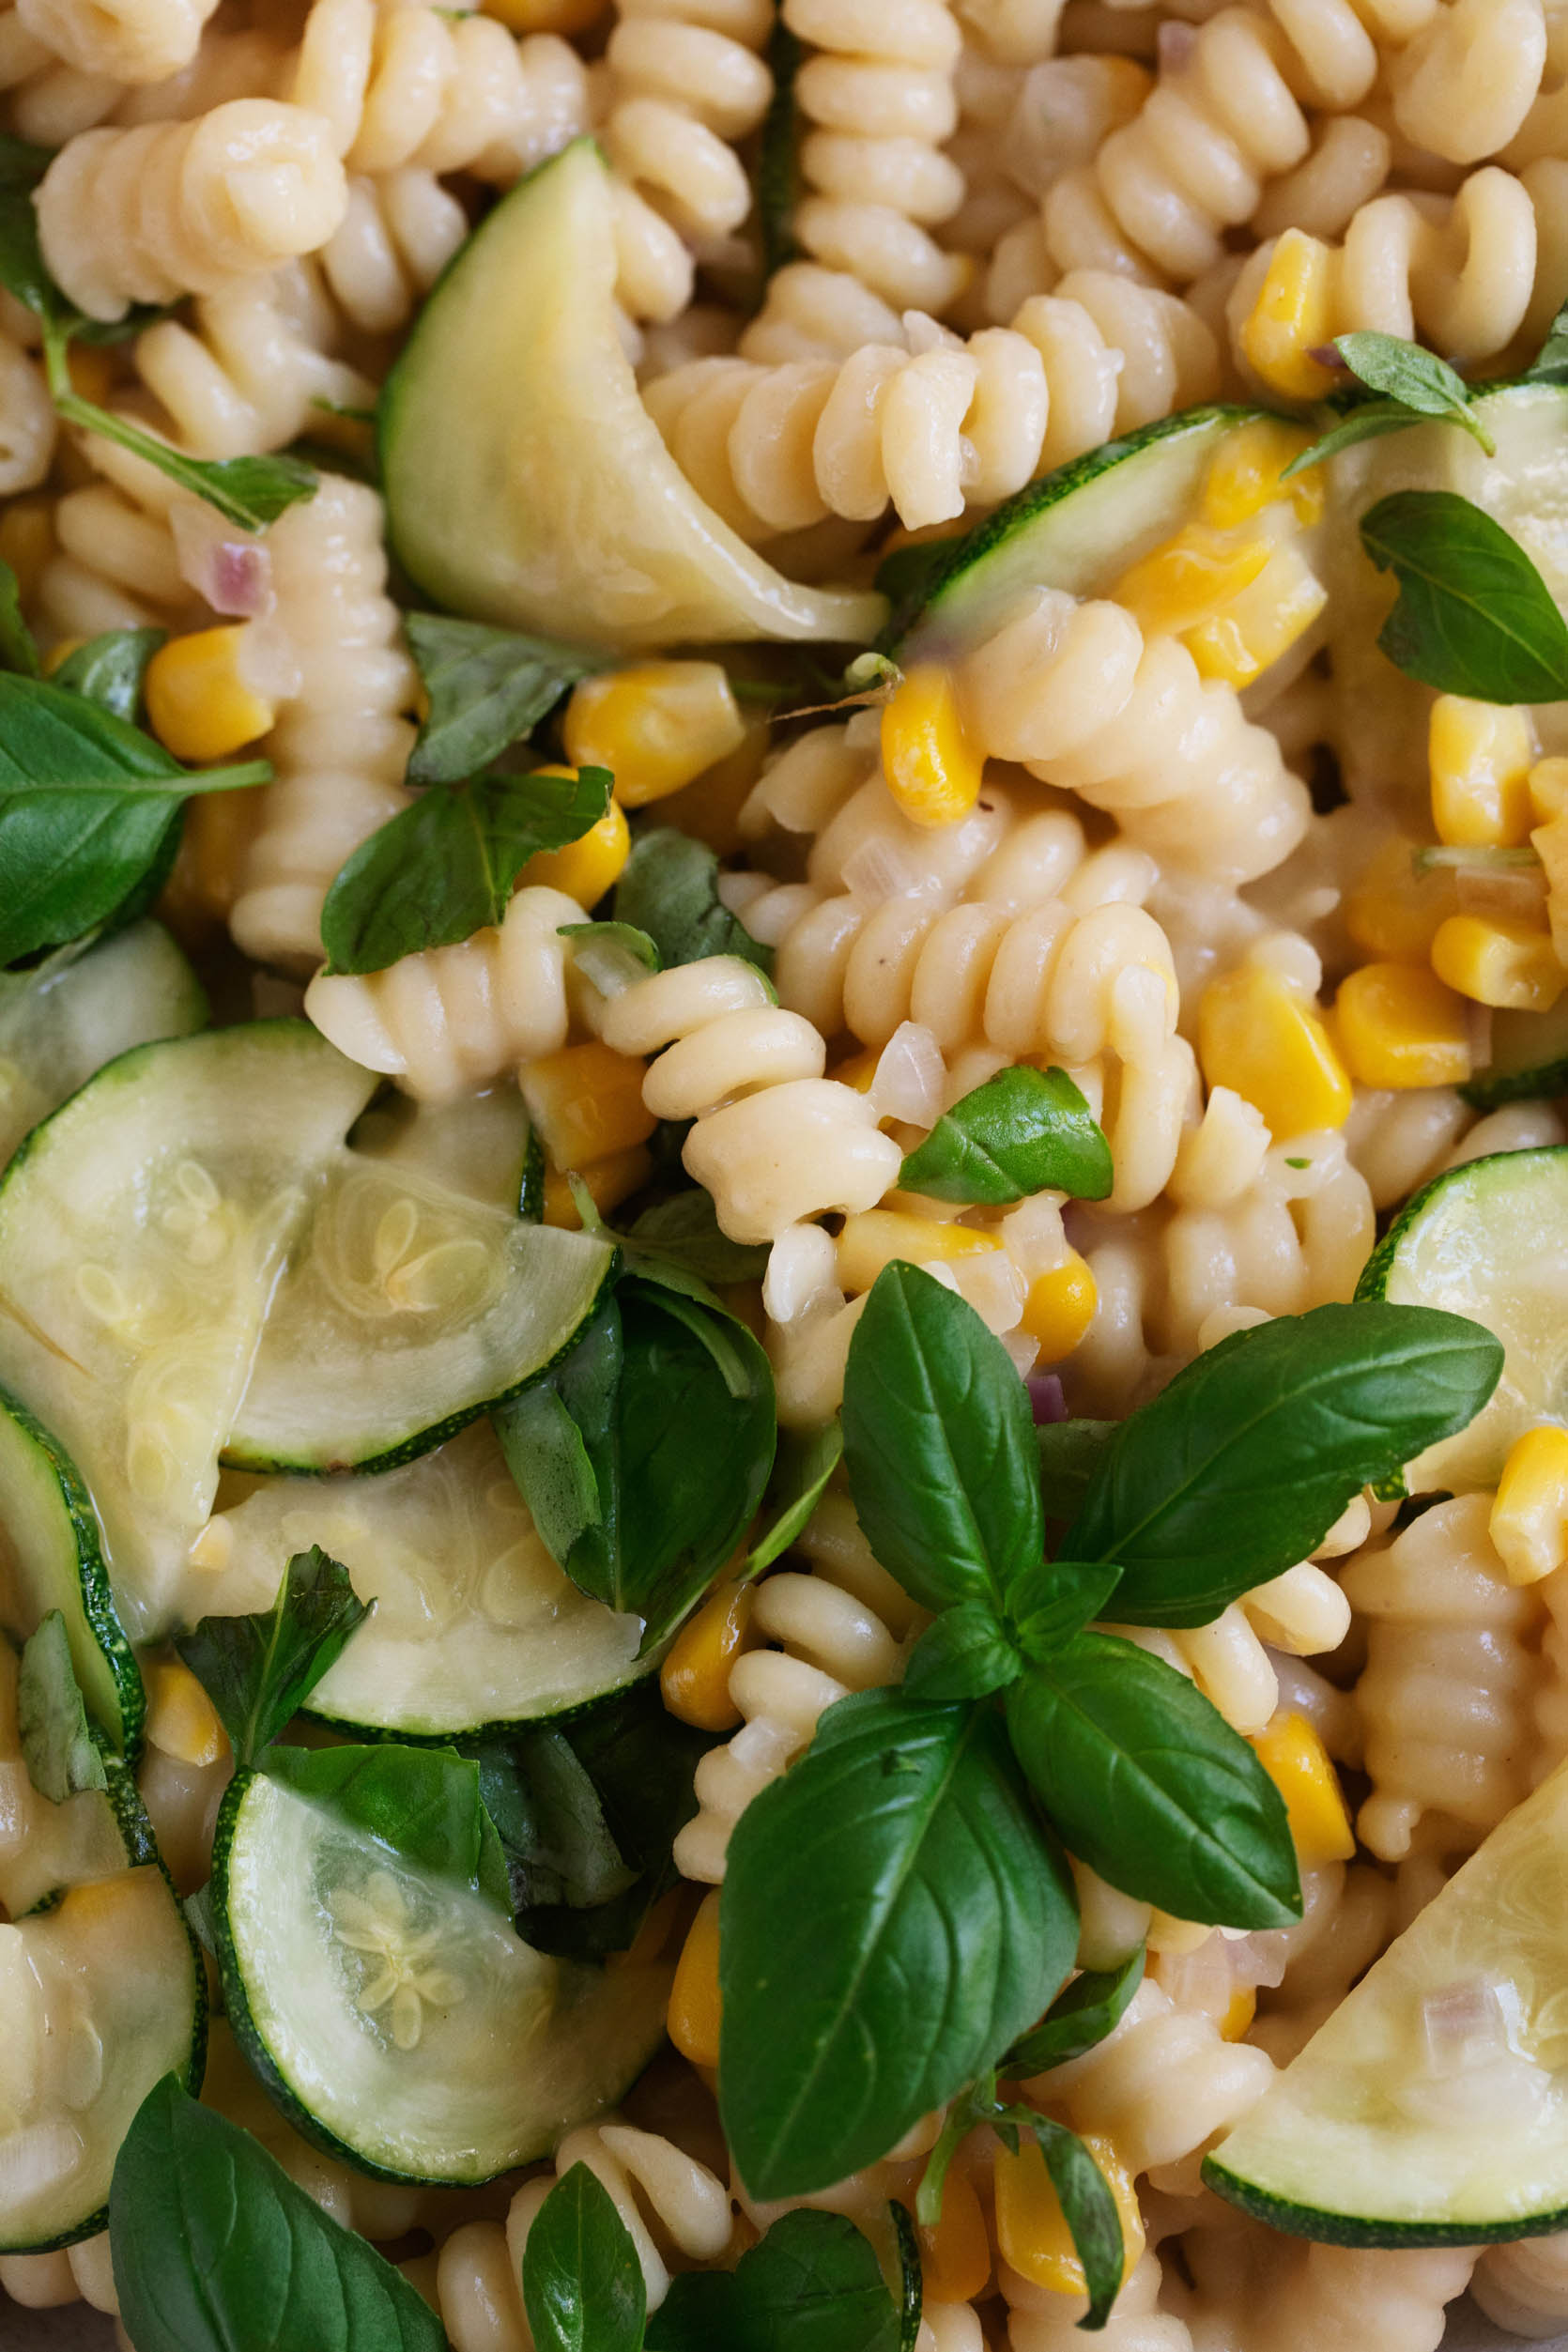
[(1548, 790), (1060, 1307), (59, 654), (694, 1680), (28, 541), (1394, 913), (955, 2253), (933, 769), (1398, 1025), (1245, 476), (608, 1181), (1293, 317), (199, 704), (586, 869), (91, 369), (694, 2002), (1264, 1040), (877, 1236), (1031, 2227), (857, 1070), (1240, 2009), (564, 17), (1261, 623), (1481, 754), (1497, 959), (181, 1719), (655, 725), (1529, 1517), (1300, 1768), (586, 1103), (1189, 579)]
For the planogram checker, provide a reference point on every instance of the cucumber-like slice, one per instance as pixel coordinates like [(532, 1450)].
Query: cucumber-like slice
[(1485, 1240), (142, 1232), (1529, 1059), (527, 483), (69, 1016), (1428, 2110), (494, 2050), (480, 1147), (46, 1847), (474, 1625)]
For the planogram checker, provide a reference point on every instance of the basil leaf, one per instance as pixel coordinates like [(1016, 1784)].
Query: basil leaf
[(443, 869), (1025, 1131), (1087, 2205), (258, 1671), (110, 669), (1551, 363), (1417, 379), (559, 1849), (892, 1913), (57, 1745), (964, 1655), (559, 1439), (611, 956), (1079, 2019), (424, 1803), (1474, 616), (1070, 1454), (583, 2281), (806, 1460), (17, 649), (214, 2248), (1239, 1468), (1368, 420), (1149, 1785), (53, 740), (1057, 1599), (683, 1232), (72, 861), (907, 2242), (813, 2285), (669, 890), (487, 689), (940, 1445)]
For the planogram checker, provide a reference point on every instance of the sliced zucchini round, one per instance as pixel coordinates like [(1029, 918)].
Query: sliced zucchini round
[(527, 483), (1428, 2111), (482, 1147), (474, 1625), (398, 2019), (1529, 1059), (1485, 1240)]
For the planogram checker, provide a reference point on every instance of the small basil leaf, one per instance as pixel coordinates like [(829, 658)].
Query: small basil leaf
[(1025, 1131), (1474, 616), (892, 1913), (1070, 1454), (1087, 2205), (17, 649), (259, 1670), (940, 1445), (215, 2248), (54, 741), (1079, 2019), (611, 956), (1417, 379), (558, 1437), (443, 869), (582, 2280), (1368, 420), (813, 2285), (1149, 1785), (424, 1803), (669, 890), (683, 1232), (74, 860), (1056, 1598), (963, 1655), (1551, 363), (110, 669), (806, 1460), (1241, 1465), (57, 1745), (487, 689), (559, 1848)]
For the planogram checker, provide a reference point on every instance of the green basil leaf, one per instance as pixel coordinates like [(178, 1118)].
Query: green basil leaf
[(892, 1913), (940, 1445), (813, 2285), (258, 1671), (1088, 2206), (1025, 1131), (683, 1232), (73, 860), (611, 956), (669, 890), (57, 1744), (582, 2280), (1149, 1785), (1474, 616), (1057, 1599), (1239, 1468), (560, 1852), (487, 689), (1079, 2019), (22, 270), (1551, 363), (1368, 420), (215, 2248), (559, 1439), (1417, 379), (806, 1460), (1070, 1454), (911, 2300), (424, 1803), (443, 869), (963, 1655), (17, 649), (110, 669), (53, 740)]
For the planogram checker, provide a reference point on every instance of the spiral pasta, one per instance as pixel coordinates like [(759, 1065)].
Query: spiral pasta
[(1334, 2298), (248, 371), (115, 564), (79, 2273), (1041, 2319), (130, 40), (26, 419), (686, 82), (44, 98), (1524, 2288)]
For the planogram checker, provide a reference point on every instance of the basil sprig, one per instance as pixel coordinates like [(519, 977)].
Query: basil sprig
[(1474, 616), (1025, 1131), (259, 1670), (17, 648), (669, 890), (111, 669), (813, 2285), (1079, 2019), (582, 2282), (487, 689), (423, 1804), (1416, 386), (57, 1744)]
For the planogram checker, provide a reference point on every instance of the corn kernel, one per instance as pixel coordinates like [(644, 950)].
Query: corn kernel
[(1548, 790), (933, 769), (181, 1719), (1245, 475), (1398, 1025), (28, 541), (586, 1102), (1499, 961), (1291, 318), (1031, 2227), (91, 369), (694, 2002), (1481, 754), (1262, 623), (1261, 1038), (1300, 1768), (608, 1182), (857, 1070), (1394, 913), (694, 1680), (585, 868), (955, 2253), (1529, 1517), (655, 725), (1060, 1307), (59, 654), (1191, 578), (1240, 2009), (564, 17), (199, 704), (878, 1236)]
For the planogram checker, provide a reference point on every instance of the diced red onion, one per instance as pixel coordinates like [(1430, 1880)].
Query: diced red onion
[(1177, 45), (230, 572)]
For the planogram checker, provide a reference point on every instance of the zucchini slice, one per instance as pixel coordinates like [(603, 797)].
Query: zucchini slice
[(397, 2018), (482, 1147), (527, 483), (1529, 1059), (474, 1626), (1428, 2110), (1486, 1240)]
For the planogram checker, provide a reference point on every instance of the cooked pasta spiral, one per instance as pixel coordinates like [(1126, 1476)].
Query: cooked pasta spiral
[(1042, 2319), (1524, 2288), (132, 41), (398, 235), (686, 82), (26, 419), (45, 98), (79, 2273), (116, 564), (248, 370)]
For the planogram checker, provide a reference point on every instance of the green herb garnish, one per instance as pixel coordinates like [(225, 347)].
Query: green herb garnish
[(259, 1670), (1415, 387), (1025, 1131), (670, 891), (1474, 616), (487, 689)]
